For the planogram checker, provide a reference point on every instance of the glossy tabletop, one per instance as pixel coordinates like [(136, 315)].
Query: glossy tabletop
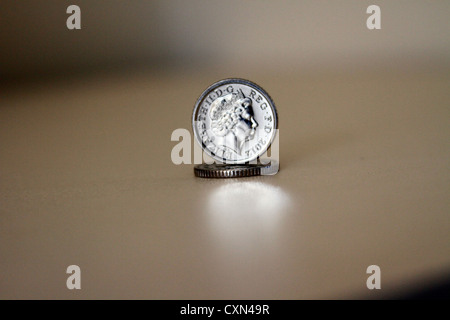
[(86, 179)]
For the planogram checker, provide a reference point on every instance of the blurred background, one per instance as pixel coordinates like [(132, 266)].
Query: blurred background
[(85, 137), (234, 35)]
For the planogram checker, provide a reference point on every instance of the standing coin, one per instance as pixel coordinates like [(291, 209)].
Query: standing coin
[(234, 121)]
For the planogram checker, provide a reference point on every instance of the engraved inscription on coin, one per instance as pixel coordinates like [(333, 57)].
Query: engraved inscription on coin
[(234, 121)]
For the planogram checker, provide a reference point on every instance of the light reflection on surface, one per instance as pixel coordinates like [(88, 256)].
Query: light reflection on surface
[(246, 214)]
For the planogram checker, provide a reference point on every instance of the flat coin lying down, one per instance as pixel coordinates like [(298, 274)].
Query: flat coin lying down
[(235, 171), (234, 121)]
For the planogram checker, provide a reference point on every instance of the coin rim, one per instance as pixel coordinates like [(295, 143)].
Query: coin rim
[(236, 172), (236, 81)]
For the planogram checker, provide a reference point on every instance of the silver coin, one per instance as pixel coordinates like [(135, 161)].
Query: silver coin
[(234, 121), (235, 170)]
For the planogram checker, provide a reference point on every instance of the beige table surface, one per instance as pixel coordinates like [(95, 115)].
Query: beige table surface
[(86, 178)]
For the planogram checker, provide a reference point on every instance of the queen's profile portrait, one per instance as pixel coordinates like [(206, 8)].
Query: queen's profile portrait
[(232, 121)]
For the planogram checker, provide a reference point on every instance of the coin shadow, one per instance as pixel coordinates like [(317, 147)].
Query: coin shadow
[(294, 151)]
